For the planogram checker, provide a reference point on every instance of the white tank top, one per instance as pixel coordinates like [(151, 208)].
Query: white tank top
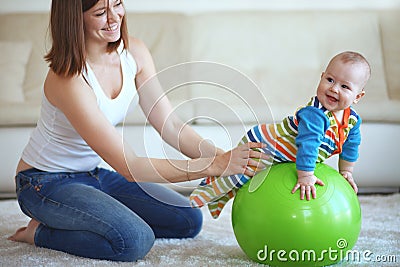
[(55, 146)]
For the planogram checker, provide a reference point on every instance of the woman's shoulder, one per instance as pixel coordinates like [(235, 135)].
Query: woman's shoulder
[(56, 82), (134, 41), (57, 87), (137, 47), (140, 52)]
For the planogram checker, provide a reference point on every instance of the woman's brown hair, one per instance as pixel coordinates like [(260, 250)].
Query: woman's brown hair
[(67, 54)]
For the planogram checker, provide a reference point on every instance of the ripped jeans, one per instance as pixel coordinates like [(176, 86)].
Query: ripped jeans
[(99, 214)]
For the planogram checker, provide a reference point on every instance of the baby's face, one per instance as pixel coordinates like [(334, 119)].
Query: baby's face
[(341, 85)]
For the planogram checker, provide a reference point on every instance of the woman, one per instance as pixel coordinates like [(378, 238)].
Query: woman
[(76, 207)]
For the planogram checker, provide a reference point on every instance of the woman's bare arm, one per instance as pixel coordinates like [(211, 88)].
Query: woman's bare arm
[(78, 102)]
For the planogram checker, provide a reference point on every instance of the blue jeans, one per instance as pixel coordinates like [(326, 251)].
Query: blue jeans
[(99, 214)]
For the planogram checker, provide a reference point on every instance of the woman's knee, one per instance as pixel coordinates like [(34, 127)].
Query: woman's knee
[(196, 222), (188, 223), (135, 244)]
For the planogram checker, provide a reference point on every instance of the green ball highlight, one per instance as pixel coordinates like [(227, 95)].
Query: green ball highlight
[(274, 227)]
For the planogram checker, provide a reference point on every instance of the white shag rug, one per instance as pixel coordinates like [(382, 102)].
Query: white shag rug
[(215, 245)]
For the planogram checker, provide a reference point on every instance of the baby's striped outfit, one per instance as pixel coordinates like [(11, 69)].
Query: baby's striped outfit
[(312, 135)]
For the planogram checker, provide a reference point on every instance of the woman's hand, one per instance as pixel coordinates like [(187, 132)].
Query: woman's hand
[(242, 159), (306, 182)]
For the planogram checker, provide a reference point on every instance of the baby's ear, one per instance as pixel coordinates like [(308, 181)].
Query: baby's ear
[(359, 96)]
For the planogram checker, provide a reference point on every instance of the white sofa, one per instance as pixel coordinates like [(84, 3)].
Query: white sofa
[(246, 67)]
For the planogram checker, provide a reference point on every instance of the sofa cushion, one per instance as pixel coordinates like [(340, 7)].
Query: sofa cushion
[(390, 37), (284, 53), (13, 62), (32, 27), (19, 114), (165, 35), (279, 54)]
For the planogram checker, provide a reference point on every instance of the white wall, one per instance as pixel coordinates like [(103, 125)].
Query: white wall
[(193, 6)]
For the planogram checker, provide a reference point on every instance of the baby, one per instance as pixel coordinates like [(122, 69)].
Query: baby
[(326, 126)]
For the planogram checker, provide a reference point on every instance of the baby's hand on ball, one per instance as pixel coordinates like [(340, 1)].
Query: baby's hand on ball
[(349, 177), (306, 182)]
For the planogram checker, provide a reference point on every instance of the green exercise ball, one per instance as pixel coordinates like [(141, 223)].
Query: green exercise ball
[(274, 227)]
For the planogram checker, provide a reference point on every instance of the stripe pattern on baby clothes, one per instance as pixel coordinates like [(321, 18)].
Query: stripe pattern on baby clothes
[(280, 140), (217, 191), (337, 133)]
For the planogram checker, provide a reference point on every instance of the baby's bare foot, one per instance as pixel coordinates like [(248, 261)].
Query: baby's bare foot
[(26, 234)]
